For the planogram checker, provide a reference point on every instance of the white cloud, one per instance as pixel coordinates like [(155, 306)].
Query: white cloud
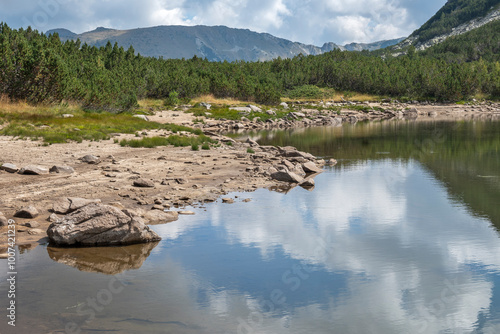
[(309, 21)]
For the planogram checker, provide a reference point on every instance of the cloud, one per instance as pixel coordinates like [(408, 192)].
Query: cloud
[(307, 21)]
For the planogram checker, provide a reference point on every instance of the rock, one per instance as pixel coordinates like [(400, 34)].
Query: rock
[(157, 207), (35, 231), (161, 217), (3, 220), (186, 212), (53, 218), (67, 115), (308, 183), (298, 170), (287, 176), (66, 205), (8, 167), (143, 183), (252, 143), (206, 105), (90, 159), (33, 170), (411, 113), (62, 169), (100, 225), (246, 200), (27, 212), (271, 112), (332, 162), (291, 152), (143, 117), (254, 108), (181, 181), (228, 200), (238, 126), (32, 224), (310, 167), (284, 105), (241, 109)]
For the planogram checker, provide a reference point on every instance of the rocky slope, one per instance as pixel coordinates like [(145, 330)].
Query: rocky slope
[(455, 18), (215, 43)]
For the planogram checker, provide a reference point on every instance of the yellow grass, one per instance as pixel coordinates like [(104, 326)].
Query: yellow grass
[(213, 100), (337, 97)]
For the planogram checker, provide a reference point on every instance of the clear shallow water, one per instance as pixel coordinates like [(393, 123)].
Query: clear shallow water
[(395, 239)]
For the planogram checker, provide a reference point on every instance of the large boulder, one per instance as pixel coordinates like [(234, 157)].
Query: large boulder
[(90, 159), (100, 225)]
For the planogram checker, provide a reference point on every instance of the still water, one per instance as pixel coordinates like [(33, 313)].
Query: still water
[(400, 237)]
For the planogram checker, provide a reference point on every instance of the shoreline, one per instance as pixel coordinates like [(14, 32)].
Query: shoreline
[(181, 177)]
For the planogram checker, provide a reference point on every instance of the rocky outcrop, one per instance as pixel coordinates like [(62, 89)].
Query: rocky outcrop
[(459, 30), (100, 225)]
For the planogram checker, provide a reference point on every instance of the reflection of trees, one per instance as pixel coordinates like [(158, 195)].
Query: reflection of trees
[(106, 260), (463, 155)]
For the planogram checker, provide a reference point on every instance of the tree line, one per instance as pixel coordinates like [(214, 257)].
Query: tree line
[(42, 69)]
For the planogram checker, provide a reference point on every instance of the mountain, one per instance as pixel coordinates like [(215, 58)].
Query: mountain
[(217, 43), (456, 17)]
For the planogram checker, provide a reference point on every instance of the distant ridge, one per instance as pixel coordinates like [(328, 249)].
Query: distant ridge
[(217, 43)]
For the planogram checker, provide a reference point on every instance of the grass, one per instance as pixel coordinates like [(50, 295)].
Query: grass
[(47, 123), (251, 151), (175, 140)]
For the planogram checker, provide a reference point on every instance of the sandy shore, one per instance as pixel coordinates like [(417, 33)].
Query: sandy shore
[(181, 176)]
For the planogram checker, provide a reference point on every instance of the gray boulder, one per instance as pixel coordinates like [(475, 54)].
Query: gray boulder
[(62, 169), (287, 176), (90, 159), (310, 167), (143, 183), (33, 170), (100, 225), (161, 217), (27, 212), (8, 167)]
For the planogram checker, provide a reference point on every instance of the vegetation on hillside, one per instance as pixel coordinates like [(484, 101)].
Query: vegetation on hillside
[(41, 69), (481, 43), (453, 14)]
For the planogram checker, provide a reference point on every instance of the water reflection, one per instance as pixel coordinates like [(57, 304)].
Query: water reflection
[(387, 244), (106, 260)]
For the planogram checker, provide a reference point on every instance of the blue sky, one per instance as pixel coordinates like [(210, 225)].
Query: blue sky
[(306, 21)]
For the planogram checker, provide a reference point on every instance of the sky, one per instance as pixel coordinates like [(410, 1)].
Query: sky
[(307, 21)]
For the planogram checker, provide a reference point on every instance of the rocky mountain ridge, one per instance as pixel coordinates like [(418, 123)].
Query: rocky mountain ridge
[(216, 43), (459, 30)]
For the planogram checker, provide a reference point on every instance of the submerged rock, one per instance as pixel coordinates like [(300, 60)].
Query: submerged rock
[(100, 225)]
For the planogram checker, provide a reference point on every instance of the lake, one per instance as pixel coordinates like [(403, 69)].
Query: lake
[(401, 236)]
